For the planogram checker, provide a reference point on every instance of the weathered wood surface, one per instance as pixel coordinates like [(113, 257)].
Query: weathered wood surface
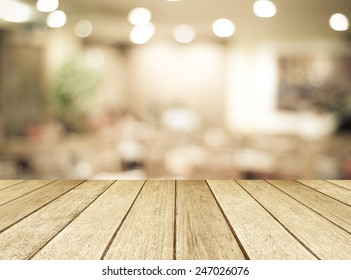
[(328, 207), (262, 236), (22, 188), (165, 219), (23, 206), (325, 239), (26, 237), (202, 231), (6, 183), (147, 232), (88, 235), (336, 191)]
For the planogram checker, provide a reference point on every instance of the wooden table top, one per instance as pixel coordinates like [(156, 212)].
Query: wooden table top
[(183, 220)]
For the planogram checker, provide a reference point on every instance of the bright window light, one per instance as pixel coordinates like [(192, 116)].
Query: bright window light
[(223, 28), (13, 11), (83, 28), (339, 22), (139, 16), (264, 8), (56, 19), (47, 5), (184, 33), (142, 34)]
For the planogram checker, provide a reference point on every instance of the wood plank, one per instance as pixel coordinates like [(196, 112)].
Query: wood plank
[(328, 207), (26, 237), (262, 237), (147, 232), (6, 183), (322, 237), (88, 235), (344, 183), (338, 192), (21, 189), (201, 230), (17, 209)]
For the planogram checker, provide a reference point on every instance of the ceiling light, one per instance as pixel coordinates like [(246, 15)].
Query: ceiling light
[(184, 33), (56, 19), (264, 8), (142, 34), (139, 16), (223, 28), (83, 28), (47, 5), (13, 11), (339, 22)]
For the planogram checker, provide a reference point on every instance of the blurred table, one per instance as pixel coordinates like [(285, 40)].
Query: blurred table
[(167, 219)]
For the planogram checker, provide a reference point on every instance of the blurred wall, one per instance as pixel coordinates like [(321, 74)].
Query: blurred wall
[(251, 87), (168, 74), (232, 85), (113, 92), (60, 45)]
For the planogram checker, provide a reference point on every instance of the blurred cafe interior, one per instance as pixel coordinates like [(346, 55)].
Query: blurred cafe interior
[(177, 89)]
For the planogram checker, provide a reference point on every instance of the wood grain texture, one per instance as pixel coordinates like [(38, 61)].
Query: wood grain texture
[(202, 231), (153, 220), (6, 183), (88, 235), (260, 234), (23, 239), (334, 190), (21, 189), (17, 209), (322, 237), (147, 232), (344, 183), (328, 207)]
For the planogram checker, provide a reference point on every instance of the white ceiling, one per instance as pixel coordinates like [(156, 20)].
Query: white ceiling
[(295, 18)]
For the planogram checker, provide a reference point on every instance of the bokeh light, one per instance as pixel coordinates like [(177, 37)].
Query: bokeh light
[(83, 28), (339, 22), (184, 33), (56, 19), (223, 28), (47, 5), (215, 137), (264, 8), (13, 11), (139, 16), (142, 34)]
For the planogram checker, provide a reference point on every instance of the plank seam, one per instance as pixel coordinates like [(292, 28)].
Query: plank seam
[(241, 246), (121, 224), (315, 211), (28, 192), (36, 210), (291, 233), (323, 192), (175, 222), (11, 185), (32, 255), (335, 184)]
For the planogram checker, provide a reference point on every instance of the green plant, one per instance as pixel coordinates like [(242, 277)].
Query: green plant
[(73, 87)]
